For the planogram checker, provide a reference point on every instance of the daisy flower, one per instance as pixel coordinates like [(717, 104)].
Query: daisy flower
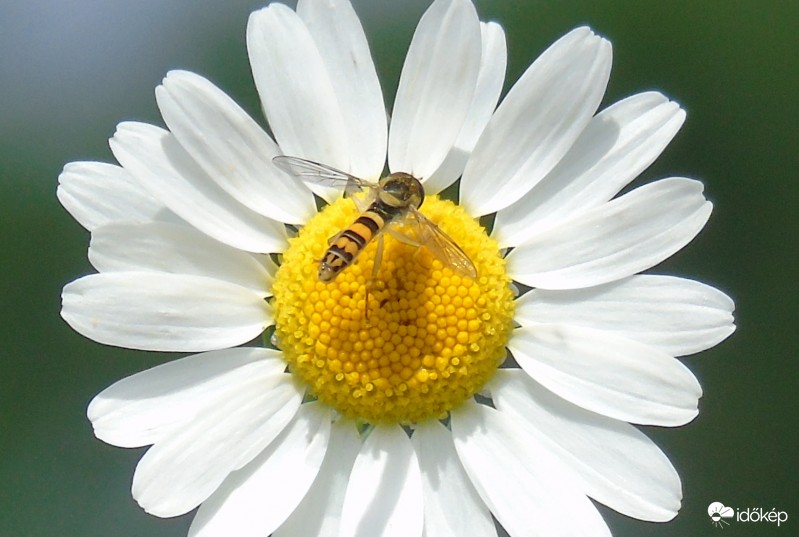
[(381, 408)]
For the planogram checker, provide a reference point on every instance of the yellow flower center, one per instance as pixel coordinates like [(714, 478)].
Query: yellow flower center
[(427, 339)]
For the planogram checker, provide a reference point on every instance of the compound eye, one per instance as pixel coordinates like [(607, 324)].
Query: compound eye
[(396, 189), (395, 193)]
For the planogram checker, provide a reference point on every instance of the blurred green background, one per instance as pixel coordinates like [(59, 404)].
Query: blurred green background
[(71, 69)]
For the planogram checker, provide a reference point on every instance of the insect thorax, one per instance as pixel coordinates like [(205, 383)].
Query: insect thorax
[(400, 191)]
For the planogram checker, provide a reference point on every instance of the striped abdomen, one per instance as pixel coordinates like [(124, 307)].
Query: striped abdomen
[(346, 246)]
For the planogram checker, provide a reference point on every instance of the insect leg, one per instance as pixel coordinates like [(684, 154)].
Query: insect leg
[(375, 269)]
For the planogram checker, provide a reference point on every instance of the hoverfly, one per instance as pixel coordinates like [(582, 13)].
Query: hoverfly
[(388, 206)]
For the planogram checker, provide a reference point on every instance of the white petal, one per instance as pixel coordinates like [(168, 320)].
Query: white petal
[(489, 85), (339, 37), (233, 149), (451, 505), (677, 315), (436, 88), (618, 465), (96, 194), (529, 491), (296, 91), (618, 239), (186, 467), (608, 374), (164, 312), (319, 513), (537, 122), (618, 144), (175, 248), (141, 409), (384, 495), (167, 172), (259, 497)]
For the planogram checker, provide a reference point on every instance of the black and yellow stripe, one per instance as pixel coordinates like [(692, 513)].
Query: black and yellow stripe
[(346, 246)]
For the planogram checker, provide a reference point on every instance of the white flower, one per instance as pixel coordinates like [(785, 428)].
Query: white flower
[(179, 234)]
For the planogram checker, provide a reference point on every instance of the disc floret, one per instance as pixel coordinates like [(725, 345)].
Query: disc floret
[(427, 339)]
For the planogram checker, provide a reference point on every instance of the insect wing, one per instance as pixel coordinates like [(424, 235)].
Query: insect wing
[(313, 172), (442, 246)]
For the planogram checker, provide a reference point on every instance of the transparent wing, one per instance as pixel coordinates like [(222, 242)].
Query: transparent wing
[(313, 172), (442, 246)]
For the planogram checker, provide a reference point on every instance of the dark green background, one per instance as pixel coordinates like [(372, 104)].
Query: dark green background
[(70, 70)]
